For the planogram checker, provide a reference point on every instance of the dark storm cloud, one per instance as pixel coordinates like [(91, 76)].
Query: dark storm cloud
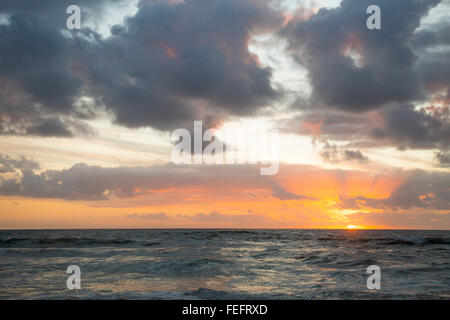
[(414, 129), (171, 64), (399, 125), (54, 11), (426, 190), (431, 45), (437, 34), (435, 72), (335, 154), (168, 65), (37, 86), (50, 128), (384, 68), (35, 57), (365, 82)]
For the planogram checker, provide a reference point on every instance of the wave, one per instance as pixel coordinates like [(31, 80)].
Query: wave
[(417, 240), (63, 241), (399, 240)]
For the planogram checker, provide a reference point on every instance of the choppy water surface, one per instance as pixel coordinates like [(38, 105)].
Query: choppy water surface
[(224, 264)]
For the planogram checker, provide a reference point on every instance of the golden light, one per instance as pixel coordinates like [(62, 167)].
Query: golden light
[(351, 227)]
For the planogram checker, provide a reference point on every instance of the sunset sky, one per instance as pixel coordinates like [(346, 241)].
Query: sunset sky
[(86, 115)]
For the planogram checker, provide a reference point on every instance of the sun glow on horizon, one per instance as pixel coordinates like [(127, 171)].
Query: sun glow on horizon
[(353, 227)]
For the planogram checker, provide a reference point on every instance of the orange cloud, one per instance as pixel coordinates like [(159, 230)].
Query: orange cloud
[(169, 50), (298, 197)]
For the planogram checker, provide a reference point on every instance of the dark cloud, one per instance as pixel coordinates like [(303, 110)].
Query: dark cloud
[(330, 125), (95, 183), (334, 154), (8, 164), (435, 71), (156, 72), (168, 65), (38, 87), (54, 11), (366, 83), (60, 127), (425, 190), (437, 34), (356, 69), (283, 194), (443, 158), (399, 125), (35, 59), (416, 129), (50, 128), (431, 45), (354, 155)]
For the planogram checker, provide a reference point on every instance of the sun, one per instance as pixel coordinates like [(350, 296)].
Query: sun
[(352, 227)]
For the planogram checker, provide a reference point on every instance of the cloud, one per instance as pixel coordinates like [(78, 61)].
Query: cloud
[(443, 158), (171, 183), (425, 190), (150, 216), (432, 47), (35, 77), (213, 218), (50, 128), (335, 154), (169, 64), (356, 69), (406, 220), (153, 72), (415, 129), (283, 194), (38, 86), (250, 220), (438, 34), (171, 189), (355, 155), (9, 164), (198, 68), (366, 84), (95, 183), (399, 125)]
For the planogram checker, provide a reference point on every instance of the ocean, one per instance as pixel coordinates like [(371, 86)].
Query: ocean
[(224, 264)]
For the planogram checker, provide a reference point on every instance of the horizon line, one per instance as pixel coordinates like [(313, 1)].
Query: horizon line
[(210, 228)]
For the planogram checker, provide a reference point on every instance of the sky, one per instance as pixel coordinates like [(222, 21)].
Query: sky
[(86, 116)]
